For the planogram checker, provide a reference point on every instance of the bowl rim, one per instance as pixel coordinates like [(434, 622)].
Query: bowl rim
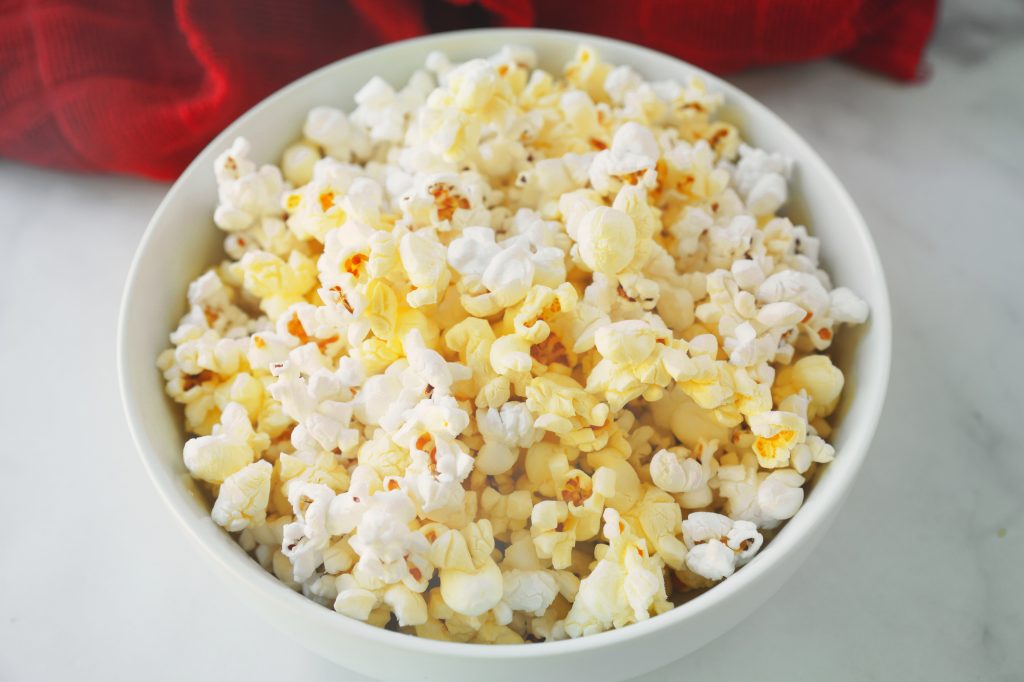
[(796, 532)]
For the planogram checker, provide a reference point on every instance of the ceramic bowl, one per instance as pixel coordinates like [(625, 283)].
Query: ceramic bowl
[(181, 241)]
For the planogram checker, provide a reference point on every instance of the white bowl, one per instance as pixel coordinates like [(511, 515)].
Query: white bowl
[(181, 241)]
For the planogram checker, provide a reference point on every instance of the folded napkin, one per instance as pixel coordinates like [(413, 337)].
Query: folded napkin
[(140, 86)]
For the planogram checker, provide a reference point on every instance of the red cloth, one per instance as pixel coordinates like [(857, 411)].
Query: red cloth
[(139, 86)]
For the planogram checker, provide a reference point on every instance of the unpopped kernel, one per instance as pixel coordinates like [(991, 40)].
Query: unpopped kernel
[(504, 355)]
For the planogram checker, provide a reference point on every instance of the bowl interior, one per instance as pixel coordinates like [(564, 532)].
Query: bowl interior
[(182, 241)]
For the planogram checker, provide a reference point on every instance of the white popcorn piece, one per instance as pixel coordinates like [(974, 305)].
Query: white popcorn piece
[(331, 129), (780, 494), (718, 545), (306, 538), (633, 150), (740, 483), (761, 179), (243, 496), (318, 398), (675, 472), (298, 161), (504, 430), (424, 261), (389, 551), (246, 194)]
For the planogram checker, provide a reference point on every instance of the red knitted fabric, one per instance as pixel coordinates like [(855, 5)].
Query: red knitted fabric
[(140, 86)]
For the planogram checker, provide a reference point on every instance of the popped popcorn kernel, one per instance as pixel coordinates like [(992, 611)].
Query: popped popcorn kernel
[(503, 356)]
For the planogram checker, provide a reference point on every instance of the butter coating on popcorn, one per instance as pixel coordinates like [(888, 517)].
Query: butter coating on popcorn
[(501, 355)]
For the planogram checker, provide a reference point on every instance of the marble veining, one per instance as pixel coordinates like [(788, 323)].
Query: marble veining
[(917, 580)]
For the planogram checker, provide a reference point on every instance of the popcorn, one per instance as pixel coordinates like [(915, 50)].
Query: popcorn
[(319, 399), (815, 374), (278, 284), (659, 518), (445, 201), (673, 471), (638, 358), (306, 538), (474, 586), (246, 195), (473, 339), (562, 407), (750, 497), (625, 586), (779, 431), (718, 545), (424, 261), (311, 466), (606, 240), (780, 494), (752, 335), (200, 352), (506, 512), (298, 161), (243, 496), (528, 586), (587, 72), (499, 275), (575, 515), (211, 307), (632, 156), (389, 551), (504, 430), (383, 111), (322, 204), (358, 602), (494, 351), (761, 179), (233, 445), (331, 130)]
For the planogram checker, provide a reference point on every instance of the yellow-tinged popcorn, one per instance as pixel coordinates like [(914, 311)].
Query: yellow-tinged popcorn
[(816, 375), (587, 72), (297, 163), (495, 351), (564, 408), (606, 239), (778, 433), (381, 308), (510, 356), (659, 517), (506, 512), (232, 445), (540, 307), (473, 588), (424, 262), (626, 485), (277, 283), (473, 339), (626, 585), (248, 392), (323, 467)]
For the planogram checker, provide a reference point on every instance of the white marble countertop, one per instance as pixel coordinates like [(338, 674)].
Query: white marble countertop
[(918, 580)]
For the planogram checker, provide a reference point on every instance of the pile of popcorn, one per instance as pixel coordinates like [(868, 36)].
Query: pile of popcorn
[(502, 356)]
